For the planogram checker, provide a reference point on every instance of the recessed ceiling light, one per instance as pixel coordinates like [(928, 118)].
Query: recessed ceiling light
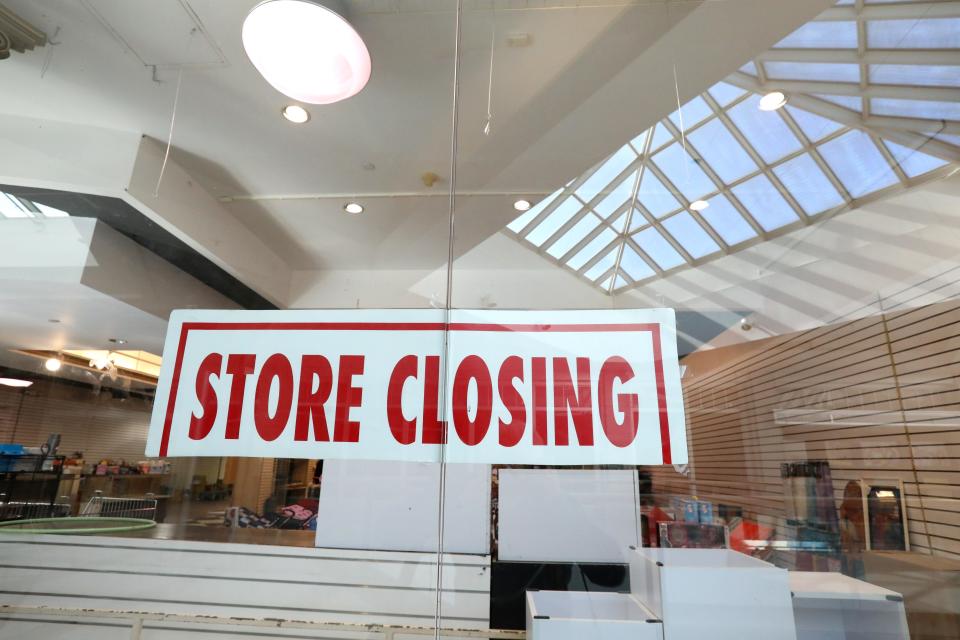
[(522, 205), (699, 205), (773, 101), (117, 340), (353, 207), (15, 382), (306, 51), (295, 113), (52, 364)]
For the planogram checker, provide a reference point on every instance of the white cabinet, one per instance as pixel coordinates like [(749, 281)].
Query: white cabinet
[(713, 593), (576, 615), (832, 606)]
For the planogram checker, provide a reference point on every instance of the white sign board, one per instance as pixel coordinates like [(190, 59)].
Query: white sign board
[(519, 387)]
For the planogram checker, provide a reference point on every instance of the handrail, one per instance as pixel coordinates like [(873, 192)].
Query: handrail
[(137, 618)]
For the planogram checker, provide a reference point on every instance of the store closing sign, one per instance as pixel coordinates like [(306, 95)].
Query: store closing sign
[(521, 387)]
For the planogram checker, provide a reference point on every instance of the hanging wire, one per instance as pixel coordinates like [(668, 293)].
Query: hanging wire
[(173, 120), (493, 41)]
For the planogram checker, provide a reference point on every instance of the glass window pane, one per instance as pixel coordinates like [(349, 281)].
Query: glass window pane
[(620, 282), (725, 93), (915, 74), (813, 126), (556, 219), (620, 194), (852, 103), (766, 131), (603, 265), (639, 141), (948, 138), (690, 235), (727, 221), (765, 203), (11, 208), (660, 251), (808, 185), (817, 71), (822, 35), (637, 221), (593, 247), (528, 216), (577, 233), (927, 109), (606, 173), (635, 266), (913, 162), (722, 152), (695, 111), (858, 163), (661, 136), (683, 172), (929, 33), (750, 68)]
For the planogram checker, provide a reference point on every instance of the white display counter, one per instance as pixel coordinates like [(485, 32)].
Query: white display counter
[(713, 593), (832, 606), (575, 615)]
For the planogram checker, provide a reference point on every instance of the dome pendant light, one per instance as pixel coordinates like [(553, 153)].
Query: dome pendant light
[(306, 51)]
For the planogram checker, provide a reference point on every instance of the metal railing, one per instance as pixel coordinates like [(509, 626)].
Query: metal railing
[(99, 505), (138, 618)]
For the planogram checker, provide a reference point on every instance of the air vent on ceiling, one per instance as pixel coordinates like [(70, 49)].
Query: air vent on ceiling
[(17, 34)]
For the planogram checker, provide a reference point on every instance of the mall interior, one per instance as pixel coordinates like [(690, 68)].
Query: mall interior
[(782, 174)]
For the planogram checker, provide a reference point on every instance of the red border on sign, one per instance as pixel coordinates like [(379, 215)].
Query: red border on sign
[(653, 328)]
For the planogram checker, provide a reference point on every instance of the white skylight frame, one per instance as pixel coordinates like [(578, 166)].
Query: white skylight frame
[(613, 238), (15, 207)]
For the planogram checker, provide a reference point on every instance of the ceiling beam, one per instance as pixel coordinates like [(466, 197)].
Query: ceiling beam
[(870, 56), (904, 11), (900, 92)]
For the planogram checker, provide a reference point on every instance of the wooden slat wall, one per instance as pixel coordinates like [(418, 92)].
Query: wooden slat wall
[(877, 397)]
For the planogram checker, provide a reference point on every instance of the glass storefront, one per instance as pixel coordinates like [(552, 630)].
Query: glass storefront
[(547, 319)]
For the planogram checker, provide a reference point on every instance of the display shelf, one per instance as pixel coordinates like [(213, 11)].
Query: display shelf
[(832, 606), (573, 615)]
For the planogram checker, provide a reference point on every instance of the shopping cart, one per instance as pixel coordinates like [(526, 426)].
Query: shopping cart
[(24, 510), (144, 508)]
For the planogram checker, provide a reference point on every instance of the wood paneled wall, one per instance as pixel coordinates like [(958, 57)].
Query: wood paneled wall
[(877, 397)]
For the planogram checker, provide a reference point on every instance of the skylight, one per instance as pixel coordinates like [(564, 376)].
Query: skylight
[(765, 173), (12, 206)]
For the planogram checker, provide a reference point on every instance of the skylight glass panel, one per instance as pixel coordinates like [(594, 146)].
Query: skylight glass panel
[(948, 138), (814, 71), (808, 185), (928, 33), (639, 141), (50, 212), (725, 93), (690, 235), (852, 103), (556, 219), (634, 265), (576, 233), (638, 220), (518, 224), (692, 113), (603, 265), (858, 163), (727, 221), (766, 131), (603, 176), (606, 283), (750, 68), (621, 283), (11, 208), (620, 194), (765, 203), (722, 152), (683, 172), (913, 162), (813, 126), (916, 75), (822, 35), (660, 251), (593, 247), (927, 109), (661, 136)]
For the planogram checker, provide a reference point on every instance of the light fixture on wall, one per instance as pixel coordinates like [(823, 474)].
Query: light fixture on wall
[(53, 364), (306, 51), (15, 382), (772, 101)]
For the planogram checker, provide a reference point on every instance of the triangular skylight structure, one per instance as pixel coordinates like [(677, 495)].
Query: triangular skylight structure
[(874, 107)]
